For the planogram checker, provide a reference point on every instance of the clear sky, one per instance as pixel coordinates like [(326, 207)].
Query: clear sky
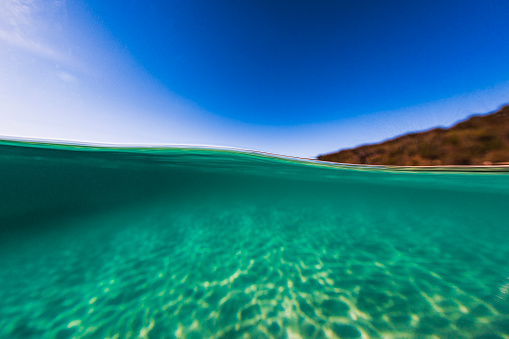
[(291, 77)]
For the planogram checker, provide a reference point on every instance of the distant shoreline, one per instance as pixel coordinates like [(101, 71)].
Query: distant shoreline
[(480, 140)]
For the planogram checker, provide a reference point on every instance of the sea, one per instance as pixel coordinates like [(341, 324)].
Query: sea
[(204, 242)]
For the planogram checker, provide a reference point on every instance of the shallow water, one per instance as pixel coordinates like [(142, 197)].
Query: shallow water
[(195, 243)]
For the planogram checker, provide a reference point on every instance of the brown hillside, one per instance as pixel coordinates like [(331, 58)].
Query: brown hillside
[(479, 140)]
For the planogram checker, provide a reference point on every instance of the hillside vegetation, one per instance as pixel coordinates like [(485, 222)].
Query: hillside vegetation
[(479, 140)]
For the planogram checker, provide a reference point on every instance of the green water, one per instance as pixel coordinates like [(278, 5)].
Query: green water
[(207, 243)]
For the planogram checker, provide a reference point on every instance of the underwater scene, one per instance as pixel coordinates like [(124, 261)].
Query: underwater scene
[(112, 242)]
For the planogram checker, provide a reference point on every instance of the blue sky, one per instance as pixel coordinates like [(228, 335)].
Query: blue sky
[(291, 77)]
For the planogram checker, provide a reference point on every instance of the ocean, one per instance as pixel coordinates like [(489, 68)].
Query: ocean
[(186, 242)]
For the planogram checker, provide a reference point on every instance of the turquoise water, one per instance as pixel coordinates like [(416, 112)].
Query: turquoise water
[(208, 243)]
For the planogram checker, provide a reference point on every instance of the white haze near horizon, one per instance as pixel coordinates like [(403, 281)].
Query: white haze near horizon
[(65, 78)]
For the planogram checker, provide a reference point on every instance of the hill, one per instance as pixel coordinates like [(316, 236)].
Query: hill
[(479, 140)]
